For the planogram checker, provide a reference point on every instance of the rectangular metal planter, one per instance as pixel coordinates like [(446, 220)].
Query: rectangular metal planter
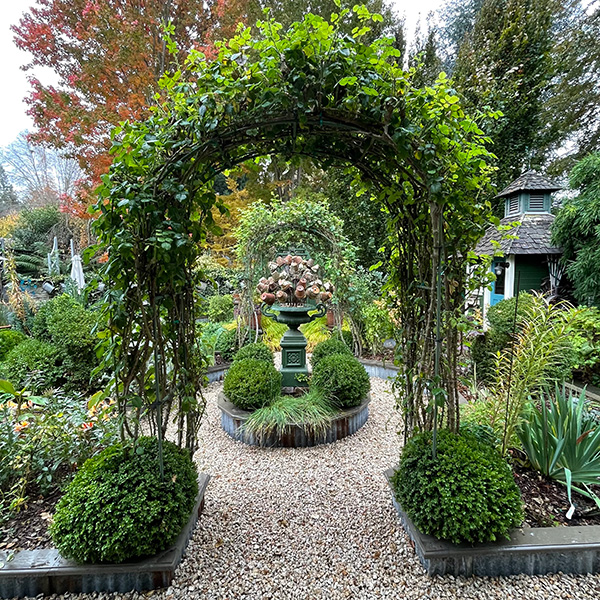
[(529, 551), (34, 572), (377, 368)]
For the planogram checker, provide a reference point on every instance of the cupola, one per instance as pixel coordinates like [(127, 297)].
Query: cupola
[(529, 193)]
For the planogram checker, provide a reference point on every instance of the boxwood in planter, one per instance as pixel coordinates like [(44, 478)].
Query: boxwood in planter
[(251, 383), (466, 494), (117, 508), (331, 346), (341, 379), (256, 350)]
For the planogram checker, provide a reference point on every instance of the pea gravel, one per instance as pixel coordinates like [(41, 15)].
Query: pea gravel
[(318, 523)]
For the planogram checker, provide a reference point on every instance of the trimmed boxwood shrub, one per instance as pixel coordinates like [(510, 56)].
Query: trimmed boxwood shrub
[(342, 379), (9, 338), (251, 383), (34, 363), (257, 350), (327, 348), (116, 508), (70, 328), (466, 494)]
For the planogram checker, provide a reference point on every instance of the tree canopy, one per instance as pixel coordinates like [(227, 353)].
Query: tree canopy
[(108, 56), (505, 63)]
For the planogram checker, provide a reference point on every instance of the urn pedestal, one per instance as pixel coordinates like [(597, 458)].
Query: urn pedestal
[(294, 369)]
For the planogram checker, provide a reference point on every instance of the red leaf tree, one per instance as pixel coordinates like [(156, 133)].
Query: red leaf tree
[(108, 56)]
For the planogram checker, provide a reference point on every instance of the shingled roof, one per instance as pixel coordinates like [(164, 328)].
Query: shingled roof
[(531, 180), (533, 236)]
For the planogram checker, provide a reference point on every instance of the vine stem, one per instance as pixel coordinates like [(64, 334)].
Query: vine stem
[(161, 462), (438, 329)]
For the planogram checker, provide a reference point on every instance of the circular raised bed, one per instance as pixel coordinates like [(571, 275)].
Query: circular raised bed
[(345, 423)]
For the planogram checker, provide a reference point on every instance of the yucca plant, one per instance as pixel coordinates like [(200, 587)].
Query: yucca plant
[(562, 441)]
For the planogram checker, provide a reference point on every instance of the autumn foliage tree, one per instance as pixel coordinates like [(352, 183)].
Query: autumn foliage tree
[(108, 56)]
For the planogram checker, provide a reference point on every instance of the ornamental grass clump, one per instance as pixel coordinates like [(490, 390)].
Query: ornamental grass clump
[(258, 351), (327, 348), (251, 383), (341, 379), (312, 411), (466, 494), (117, 508)]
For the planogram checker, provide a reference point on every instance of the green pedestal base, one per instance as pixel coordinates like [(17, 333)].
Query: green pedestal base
[(293, 343), (293, 359)]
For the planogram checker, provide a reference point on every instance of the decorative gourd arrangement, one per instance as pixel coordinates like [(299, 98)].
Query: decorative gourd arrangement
[(293, 281)]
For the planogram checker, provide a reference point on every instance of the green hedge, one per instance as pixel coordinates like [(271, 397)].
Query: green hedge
[(9, 338)]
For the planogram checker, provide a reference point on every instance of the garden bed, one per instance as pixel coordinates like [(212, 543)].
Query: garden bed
[(345, 423), (546, 502), (28, 529), (44, 571), (530, 551)]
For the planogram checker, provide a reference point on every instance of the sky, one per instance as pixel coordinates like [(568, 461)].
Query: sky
[(13, 117)]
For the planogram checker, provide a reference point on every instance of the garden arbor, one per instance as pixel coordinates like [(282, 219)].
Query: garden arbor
[(311, 92)]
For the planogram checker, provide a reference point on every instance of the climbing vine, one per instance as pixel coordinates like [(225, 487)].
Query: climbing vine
[(305, 221), (309, 91)]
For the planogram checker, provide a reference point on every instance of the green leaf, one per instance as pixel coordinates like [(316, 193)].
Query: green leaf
[(7, 387)]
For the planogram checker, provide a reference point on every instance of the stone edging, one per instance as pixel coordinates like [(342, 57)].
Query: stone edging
[(529, 551), (34, 572), (216, 372), (344, 424)]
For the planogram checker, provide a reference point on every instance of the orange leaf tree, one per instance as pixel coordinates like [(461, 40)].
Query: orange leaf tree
[(108, 56)]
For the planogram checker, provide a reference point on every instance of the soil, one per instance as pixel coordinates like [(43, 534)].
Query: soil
[(546, 505), (28, 529), (386, 355), (546, 502)]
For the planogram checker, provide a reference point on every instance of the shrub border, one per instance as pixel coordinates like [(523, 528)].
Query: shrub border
[(34, 572), (530, 551)]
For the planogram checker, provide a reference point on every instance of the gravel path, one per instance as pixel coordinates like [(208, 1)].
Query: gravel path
[(318, 523)]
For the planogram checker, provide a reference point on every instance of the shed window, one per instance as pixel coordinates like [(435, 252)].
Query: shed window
[(536, 202)]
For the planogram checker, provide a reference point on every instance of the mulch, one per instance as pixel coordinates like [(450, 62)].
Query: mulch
[(28, 529), (547, 503)]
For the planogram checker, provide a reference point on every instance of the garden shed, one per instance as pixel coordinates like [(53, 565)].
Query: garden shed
[(524, 256)]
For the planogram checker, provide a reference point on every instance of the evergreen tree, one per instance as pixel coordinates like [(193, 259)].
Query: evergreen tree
[(577, 231), (365, 224), (571, 110), (425, 56), (458, 18), (8, 197), (505, 63)]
